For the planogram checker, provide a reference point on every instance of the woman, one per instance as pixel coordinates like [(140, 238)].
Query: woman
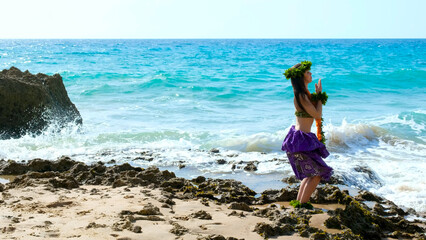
[(304, 150)]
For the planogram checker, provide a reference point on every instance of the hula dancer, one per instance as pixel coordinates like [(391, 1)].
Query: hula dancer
[(305, 150)]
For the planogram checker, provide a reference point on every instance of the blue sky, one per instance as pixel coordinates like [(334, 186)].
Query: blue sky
[(213, 19)]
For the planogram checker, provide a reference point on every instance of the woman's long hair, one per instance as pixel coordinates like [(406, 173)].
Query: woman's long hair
[(299, 87)]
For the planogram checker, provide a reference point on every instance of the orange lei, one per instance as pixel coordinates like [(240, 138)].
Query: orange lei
[(318, 123)]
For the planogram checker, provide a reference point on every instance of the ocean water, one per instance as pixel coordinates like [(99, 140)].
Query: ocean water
[(177, 99)]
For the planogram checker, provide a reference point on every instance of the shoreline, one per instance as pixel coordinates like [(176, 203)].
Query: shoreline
[(69, 199)]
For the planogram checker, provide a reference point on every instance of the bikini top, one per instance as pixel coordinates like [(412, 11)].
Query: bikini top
[(302, 114)]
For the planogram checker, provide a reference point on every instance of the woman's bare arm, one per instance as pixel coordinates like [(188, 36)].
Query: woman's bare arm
[(314, 111)]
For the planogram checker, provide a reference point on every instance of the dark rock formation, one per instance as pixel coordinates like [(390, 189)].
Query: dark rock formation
[(240, 206), (29, 103), (50, 179), (37, 165), (272, 195), (178, 230), (202, 215), (250, 167)]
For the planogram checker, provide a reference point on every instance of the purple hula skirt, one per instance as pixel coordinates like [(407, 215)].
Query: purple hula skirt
[(305, 153)]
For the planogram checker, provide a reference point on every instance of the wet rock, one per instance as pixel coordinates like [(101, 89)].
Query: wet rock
[(368, 196), (127, 167), (250, 167), (98, 169), (36, 165), (199, 179), (288, 219), (214, 150), (399, 235), (30, 103), (304, 233), (411, 211), (52, 179), (118, 183), (233, 166), (330, 194), (420, 236), (405, 226), (396, 210), (269, 212), (202, 215), (221, 161), (346, 235), (152, 175), (232, 155), (112, 161), (175, 183), (265, 230), (285, 194), (12, 168), (320, 235), (335, 179), (290, 180), (39, 165), (269, 230), (379, 209), (371, 175), (222, 190), (240, 206), (66, 182), (78, 168), (333, 222), (359, 220)]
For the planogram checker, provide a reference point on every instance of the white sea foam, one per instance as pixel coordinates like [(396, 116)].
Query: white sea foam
[(395, 166), (259, 142)]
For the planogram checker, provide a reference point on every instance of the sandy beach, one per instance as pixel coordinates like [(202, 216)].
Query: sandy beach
[(98, 212), (123, 202)]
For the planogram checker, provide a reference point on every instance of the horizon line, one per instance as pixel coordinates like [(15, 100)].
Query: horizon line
[(372, 38)]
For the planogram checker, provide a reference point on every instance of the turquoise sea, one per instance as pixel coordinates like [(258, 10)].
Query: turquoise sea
[(180, 98)]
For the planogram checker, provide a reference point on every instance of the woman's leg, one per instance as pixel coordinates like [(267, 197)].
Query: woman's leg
[(301, 189), (310, 186)]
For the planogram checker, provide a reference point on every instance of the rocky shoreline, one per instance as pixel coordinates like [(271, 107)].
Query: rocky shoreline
[(126, 202)]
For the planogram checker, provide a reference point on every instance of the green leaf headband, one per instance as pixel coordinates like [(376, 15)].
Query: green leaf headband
[(297, 72)]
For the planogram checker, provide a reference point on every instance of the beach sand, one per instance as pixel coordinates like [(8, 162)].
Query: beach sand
[(76, 201), (93, 212)]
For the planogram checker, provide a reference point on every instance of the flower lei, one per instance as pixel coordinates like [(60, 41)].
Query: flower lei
[(315, 97)]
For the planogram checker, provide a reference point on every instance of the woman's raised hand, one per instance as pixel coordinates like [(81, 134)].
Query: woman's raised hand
[(318, 86)]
